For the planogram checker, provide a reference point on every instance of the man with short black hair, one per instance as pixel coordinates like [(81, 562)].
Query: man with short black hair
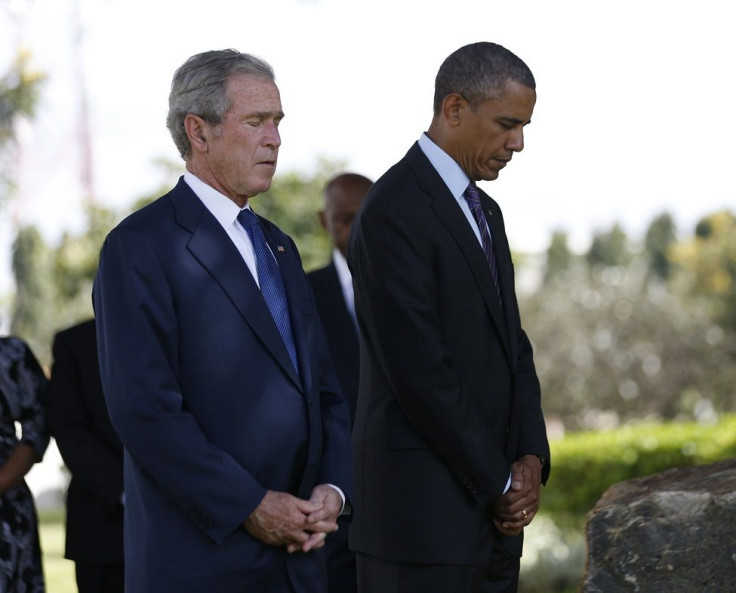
[(450, 445)]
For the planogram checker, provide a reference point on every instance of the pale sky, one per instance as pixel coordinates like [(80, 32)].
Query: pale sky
[(635, 112)]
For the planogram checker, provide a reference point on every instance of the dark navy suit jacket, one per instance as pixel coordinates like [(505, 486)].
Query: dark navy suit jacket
[(202, 392), (340, 329)]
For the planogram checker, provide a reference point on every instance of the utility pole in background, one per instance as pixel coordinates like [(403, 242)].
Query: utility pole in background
[(83, 132)]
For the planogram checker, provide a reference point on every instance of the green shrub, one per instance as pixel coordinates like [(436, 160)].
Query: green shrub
[(585, 465)]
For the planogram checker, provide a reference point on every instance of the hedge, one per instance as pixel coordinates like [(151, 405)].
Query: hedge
[(586, 464)]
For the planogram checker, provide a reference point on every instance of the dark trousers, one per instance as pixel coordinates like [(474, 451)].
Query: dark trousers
[(341, 572), (96, 577), (382, 576)]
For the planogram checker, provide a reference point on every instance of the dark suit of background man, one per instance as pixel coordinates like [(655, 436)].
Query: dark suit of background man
[(78, 420), (450, 443), (236, 435), (333, 284), (333, 293)]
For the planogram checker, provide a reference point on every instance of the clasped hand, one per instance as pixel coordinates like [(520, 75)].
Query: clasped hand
[(285, 520), (515, 509)]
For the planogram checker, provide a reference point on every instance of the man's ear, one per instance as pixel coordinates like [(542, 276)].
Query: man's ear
[(197, 132), (453, 106), (322, 219)]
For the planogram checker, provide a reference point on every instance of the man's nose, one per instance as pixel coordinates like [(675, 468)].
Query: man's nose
[(516, 140), (273, 138)]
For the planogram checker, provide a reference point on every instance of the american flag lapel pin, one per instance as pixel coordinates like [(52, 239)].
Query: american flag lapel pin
[(280, 248)]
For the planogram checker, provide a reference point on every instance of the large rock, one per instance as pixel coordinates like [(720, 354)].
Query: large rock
[(670, 532)]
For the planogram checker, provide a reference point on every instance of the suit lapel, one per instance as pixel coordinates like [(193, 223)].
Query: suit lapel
[(504, 265), (211, 246), (447, 209)]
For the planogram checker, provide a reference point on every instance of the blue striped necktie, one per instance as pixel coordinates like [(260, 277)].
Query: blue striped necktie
[(270, 280), (472, 197)]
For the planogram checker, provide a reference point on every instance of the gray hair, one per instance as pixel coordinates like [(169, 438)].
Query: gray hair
[(199, 87), (478, 72)]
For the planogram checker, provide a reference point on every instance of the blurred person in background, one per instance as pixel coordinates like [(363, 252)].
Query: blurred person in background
[(22, 400), (333, 294), (79, 422), (333, 284)]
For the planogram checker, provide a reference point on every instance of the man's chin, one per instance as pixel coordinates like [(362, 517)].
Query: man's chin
[(488, 175), (262, 187)]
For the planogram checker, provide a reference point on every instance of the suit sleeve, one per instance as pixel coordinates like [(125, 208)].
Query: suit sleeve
[(137, 333), (335, 466), (336, 457), (533, 431), (398, 301), (95, 467)]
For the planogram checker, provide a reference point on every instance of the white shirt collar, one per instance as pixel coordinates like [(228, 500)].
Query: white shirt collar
[(343, 271), (222, 208), (451, 173)]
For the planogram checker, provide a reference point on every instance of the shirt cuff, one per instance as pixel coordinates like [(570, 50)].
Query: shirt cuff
[(508, 485), (342, 496)]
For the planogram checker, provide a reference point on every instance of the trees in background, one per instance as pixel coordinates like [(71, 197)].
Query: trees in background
[(708, 266), (20, 90), (622, 334), (659, 241)]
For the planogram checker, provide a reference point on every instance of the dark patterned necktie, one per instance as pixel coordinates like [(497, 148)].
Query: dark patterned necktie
[(472, 197), (269, 277)]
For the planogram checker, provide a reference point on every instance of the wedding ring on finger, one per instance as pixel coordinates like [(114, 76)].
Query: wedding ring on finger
[(524, 514)]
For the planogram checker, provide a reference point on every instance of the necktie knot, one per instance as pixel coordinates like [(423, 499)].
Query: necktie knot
[(472, 195), (247, 218)]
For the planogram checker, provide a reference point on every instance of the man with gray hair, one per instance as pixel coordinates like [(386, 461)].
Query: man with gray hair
[(450, 445), (214, 364)]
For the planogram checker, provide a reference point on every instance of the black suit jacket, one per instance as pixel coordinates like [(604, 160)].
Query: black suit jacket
[(448, 395), (340, 329), (78, 420)]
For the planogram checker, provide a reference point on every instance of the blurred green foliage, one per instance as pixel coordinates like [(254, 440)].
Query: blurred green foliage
[(609, 249), (20, 91), (586, 464), (708, 262), (644, 340)]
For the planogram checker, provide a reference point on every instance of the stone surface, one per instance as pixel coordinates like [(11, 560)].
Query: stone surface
[(670, 532)]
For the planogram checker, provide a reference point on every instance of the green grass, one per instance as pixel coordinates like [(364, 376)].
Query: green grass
[(58, 571)]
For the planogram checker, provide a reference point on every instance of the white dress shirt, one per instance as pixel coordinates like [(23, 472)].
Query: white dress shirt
[(346, 280), (226, 212)]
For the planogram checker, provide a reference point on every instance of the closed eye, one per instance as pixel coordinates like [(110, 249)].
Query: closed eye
[(510, 123)]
